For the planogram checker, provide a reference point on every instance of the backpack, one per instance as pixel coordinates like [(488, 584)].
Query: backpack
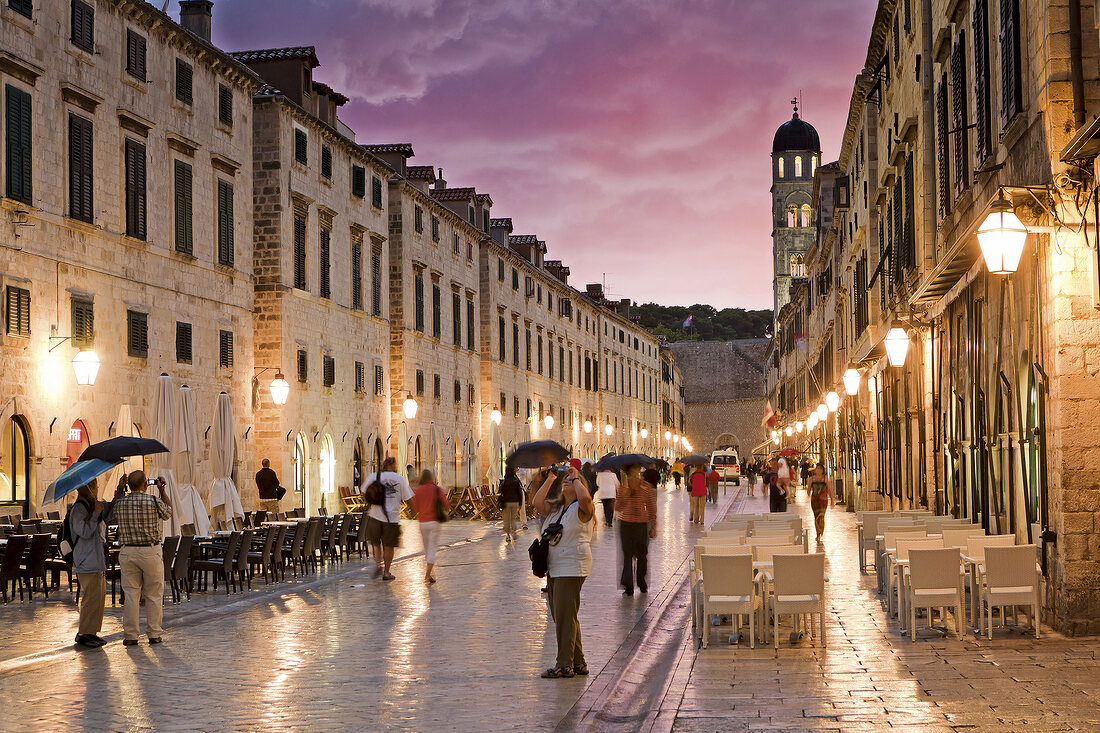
[(66, 542), (375, 493)]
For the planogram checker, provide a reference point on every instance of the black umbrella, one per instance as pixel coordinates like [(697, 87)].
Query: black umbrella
[(695, 459), (615, 462), (537, 454), (123, 446), (660, 464)]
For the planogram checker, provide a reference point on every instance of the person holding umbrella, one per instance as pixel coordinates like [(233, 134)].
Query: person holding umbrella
[(697, 483), (637, 507), (88, 527)]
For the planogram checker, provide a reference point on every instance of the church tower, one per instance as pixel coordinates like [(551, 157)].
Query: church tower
[(796, 154)]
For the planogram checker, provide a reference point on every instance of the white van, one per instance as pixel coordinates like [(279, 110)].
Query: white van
[(727, 464)]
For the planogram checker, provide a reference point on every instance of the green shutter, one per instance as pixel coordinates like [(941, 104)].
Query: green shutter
[(226, 242), (18, 152), (184, 81), (185, 240), (80, 168), (225, 105), (23, 7)]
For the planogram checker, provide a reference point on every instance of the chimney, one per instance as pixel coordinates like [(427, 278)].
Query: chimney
[(440, 183), (195, 16)]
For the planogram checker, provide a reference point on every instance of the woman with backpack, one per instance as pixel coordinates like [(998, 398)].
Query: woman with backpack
[(87, 526), (431, 507)]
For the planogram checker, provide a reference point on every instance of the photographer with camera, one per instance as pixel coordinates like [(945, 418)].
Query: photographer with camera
[(568, 530), (140, 560)]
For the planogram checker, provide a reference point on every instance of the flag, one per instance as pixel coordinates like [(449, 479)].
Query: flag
[(687, 321), (768, 421)]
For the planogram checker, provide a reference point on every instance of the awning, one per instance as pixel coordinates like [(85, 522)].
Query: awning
[(1085, 144), (951, 268)]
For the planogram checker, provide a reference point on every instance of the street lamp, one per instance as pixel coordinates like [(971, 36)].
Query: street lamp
[(86, 366), (668, 435), (789, 431), (798, 426), (811, 422), (775, 437), (851, 381), (897, 344), (644, 433), (774, 434), (588, 426), (548, 421), (822, 411), (1001, 238), (832, 401), (607, 430), (495, 416), (280, 389), (409, 406)]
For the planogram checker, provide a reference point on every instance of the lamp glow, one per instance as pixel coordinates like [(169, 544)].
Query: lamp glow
[(811, 422), (789, 431), (897, 345), (668, 435), (548, 421), (495, 416), (774, 434), (775, 439), (798, 426), (832, 401), (86, 366), (409, 406), (644, 433), (588, 426), (608, 430), (852, 379), (280, 389), (1001, 237)]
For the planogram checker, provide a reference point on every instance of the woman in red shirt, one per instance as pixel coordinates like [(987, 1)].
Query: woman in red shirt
[(427, 497), (698, 485)]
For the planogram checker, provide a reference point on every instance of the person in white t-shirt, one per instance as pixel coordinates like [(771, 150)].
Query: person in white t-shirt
[(607, 484), (383, 530)]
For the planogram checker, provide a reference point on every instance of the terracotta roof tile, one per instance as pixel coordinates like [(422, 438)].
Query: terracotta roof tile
[(405, 149), (483, 198), (523, 239), (306, 53), (453, 194), (420, 173), (505, 223)]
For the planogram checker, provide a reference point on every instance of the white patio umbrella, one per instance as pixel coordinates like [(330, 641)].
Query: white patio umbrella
[(124, 425), (433, 453), (403, 449), (493, 474), (164, 427), (191, 509), (471, 461), (223, 493)]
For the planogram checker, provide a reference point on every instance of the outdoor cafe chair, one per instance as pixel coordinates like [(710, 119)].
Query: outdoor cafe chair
[(1011, 580), (888, 544), (34, 569), (728, 588), (732, 537), (313, 541), (776, 539), (898, 563), (867, 527), (292, 552), (275, 557), (262, 558), (935, 581), (220, 563), (168, 555), (797, 588), (974, 563), (240, 563), (10, 570), (181, 568), (696, 573), (957, 536)]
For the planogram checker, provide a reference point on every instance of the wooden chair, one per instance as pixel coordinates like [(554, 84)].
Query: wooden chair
[(276, 556), (262, 558), (352, 499), (34, 569), (168, 555), (10, 570), (181, 567), (292, 552), (240, 563)]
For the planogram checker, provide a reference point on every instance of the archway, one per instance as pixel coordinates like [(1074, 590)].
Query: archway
[(301, 469), (77, 441), (726, 441), (378, 455), (15, 464), (327, 461), (357, 463)]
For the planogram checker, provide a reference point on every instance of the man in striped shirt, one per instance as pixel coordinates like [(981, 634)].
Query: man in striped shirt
[(636, 503)]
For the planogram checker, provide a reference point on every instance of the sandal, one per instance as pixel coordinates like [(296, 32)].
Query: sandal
[(580, 669), (557, 673)]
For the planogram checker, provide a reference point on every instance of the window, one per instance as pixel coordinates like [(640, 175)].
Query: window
[(226, 240), (82, 26), (435, 228), (470, 394), (941, 148), (469, 251), (23, 7), (17, 312), (184, 81), (83, 324), (527, 348), (18, 144), (983, 112), (325, 262), (470, 324), (798, 166), (456, 318), (1011, 83), (485, 221), (418, 218), (515, 406), (437, 315), (958, 115), (798, 266), (135, 189), (225, 105), (357, 272), (183, 342), (419, 309), (379, 380), (472, 216), (500, 269), (376, 192), (515, 279), (503, 402), (804, 219), (419, 383), (515, 344), (326, 161), (358, 181), (458, 392), (303, 365), (225, 349), (437, 387), (539, 353), (456, 246), (328, 371), (135, 54), (780, 164), (791, 216), (137, 334), (502, 339), (300, 281), (813, 165), (360, 378), (301, 147), (80, 168), (376, 281)]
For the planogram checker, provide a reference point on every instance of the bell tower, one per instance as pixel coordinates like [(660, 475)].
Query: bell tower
[(796, 154)]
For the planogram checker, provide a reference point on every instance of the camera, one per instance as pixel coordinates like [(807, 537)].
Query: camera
[(561, 469)]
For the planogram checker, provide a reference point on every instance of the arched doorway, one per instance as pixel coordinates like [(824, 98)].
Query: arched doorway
[(15, 464), (357, 464), (418, 460), (327, 458), (378, 455), (301, 472), (726, 441), (77, 441)]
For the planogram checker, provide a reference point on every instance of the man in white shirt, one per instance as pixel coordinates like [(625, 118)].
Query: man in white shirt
[(383, 530), (607, 483)]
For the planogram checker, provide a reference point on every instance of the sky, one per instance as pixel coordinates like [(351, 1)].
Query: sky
[(633, 136)]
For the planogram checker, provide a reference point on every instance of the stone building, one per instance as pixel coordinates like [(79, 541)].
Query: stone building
[(796, 153), (723, 392), (965, 114), (127, 229)]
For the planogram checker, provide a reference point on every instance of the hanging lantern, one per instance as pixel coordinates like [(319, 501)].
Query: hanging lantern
[(1001, 237), (832, 401), (798, 426), (774, 434), (608, 430), (495, 416), (789, 431), (668, 435), (897, 344), (86, 366), (548, 421), (822, 411), (811, 422), (410, 407), (852, 379), (588, 426), (775, 438), (280, 389), (644, 433)]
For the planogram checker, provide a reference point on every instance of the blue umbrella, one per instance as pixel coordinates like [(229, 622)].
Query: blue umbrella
[(76, 476)]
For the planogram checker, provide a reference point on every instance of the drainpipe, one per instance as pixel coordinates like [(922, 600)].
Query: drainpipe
[(1076, 66), (928, 162)]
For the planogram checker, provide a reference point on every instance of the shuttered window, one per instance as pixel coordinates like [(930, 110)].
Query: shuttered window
[(80, 168), (419, 383), (300, 281), (435, 228), (23, 7), (469, 324), (376, 281), (959, 116), (470, 394), (303, 365), (225, 349), (226, 240), (907, 255), (326, 161), (83, 324), (17, 311), (357, 274), (418, 219), (538, 353), (527, 346), (135, 54), (502, 339), (943, 198), (184, 81), (183, 342), (17, 144), (301, 147), (1011, 90), (360, 378), (456, 318), (515, 344), (898, 232), (82, 25), (983, 114), (458, 392), (437, 387), (376, 192), (137, 334), (358, 181), (379, 380), (135, 189), (326, 290), (418, 282), (225, 105), (437, 315), (328, 371), (182, 181)]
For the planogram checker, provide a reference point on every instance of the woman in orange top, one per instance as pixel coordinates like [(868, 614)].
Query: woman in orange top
[(426, 498)]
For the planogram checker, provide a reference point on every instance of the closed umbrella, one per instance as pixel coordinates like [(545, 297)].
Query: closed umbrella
[(433, 453), (192, 509), (471, 462), (403, 450), (494, 472), (223, 492), (164, 427)]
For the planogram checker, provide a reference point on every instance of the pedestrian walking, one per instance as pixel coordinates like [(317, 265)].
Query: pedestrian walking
[(607, 486), (712, 485), (570, 561), (697, 484), (750, 476), (821, 498), (428, 501), (777, 493), (806, 467), (267, 484), (511, 500), (383, 530), (87, 520), (140, 560), (677, 472), (637, 501)]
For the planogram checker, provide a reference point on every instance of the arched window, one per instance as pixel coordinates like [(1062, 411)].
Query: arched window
[(378, 453), (813, 165), (798, 166), (15, 463), (301, 470), (328, 466), (798, 266), (781, 167), (357, 464), (418, 459), (805, 218), (791, 220)]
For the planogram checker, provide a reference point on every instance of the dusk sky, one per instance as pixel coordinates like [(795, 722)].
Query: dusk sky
[(632, 135)]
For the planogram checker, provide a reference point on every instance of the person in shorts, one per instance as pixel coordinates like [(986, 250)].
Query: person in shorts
[(383, 530)]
